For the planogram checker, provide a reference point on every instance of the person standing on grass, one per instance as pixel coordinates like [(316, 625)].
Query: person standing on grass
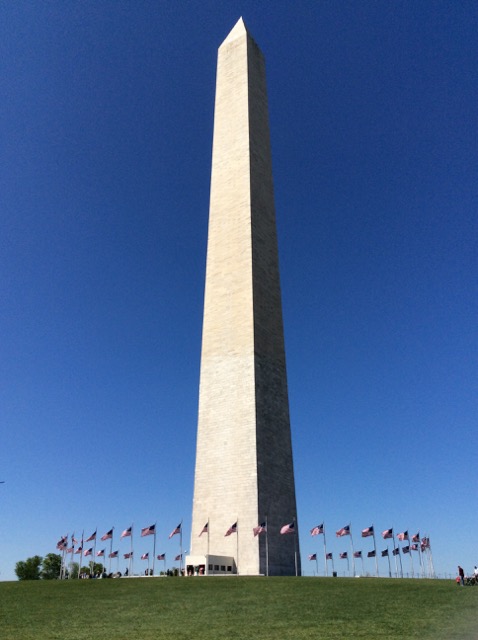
[(461, 573)]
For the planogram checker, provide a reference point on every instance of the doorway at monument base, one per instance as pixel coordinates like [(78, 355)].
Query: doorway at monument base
[(210, 565)]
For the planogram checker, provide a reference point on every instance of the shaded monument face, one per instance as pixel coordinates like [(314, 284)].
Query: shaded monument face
[(244, 470)]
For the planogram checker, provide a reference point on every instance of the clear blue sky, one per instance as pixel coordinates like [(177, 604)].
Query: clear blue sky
[(106, 134)]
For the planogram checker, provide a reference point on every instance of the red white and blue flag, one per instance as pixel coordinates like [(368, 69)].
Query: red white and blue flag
[(288, 528), (175, 531), (232, 529), (205, 529), (317, 530), (162, 556), (343, 555), (148, 531), (384, 553), (416, 537), (313, 556), (406, 549), (262, 528), (113, 554), (128, 555), (92, 537), (357, 554), (329, 556), (89, 552), (388, 533), (367, 532), (371, 554), (145, 556), (178, 557), (126, 533), (108, 535), (403, 536), (345, 531), (100, 553)]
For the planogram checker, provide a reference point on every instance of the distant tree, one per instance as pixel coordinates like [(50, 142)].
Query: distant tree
[(73, 570), (51, 567), (29, 569)]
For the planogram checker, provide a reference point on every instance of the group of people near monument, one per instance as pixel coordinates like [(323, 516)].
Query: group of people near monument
[(467, 580)]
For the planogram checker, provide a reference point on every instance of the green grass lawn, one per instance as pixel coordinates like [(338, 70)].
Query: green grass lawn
[(263, 608)]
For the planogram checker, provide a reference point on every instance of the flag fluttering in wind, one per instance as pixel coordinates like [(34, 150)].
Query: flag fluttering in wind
[(329, 556), (145, 556), (113, 554), (357, 554), (406, 549), (343, 555), (313, 556), (388, 533), (128, 555), (232, 529), (89, 552), (367, 532), (100, 553), (317, 530), (345, 531), (384, 553), (178, 557), (205, 529), (79, 550), (126, 533), (396, 551), (416, 537), (175, 531), (108, 535), (148, 531), (371, 554), (262, 528), (288, 528), (162, 556), (92, 537), (62, 543), (403, 536)]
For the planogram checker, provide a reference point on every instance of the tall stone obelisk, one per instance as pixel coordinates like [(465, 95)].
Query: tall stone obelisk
[(244, 470)]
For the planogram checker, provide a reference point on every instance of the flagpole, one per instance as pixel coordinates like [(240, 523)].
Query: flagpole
[(154, 548), (352, 545), (131, 554), (375, 549), (181, 548), (237, 544), (389, 565), (81, 543), (111, 549), (207, 557), (325, 552), (394, 554), (267, 549), (295, 546)]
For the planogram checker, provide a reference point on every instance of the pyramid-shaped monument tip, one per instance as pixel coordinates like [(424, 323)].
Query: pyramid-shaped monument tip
[(237, 31)]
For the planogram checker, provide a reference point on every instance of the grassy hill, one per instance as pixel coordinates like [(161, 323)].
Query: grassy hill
[(213, 608)]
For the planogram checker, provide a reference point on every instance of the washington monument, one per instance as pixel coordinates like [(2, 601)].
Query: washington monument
[(244, 471)]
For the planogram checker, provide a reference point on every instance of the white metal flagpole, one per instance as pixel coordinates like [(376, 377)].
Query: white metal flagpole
[(352, 545), (325, 552)]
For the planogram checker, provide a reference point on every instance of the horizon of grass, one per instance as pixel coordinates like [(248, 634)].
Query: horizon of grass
[(243, 607)]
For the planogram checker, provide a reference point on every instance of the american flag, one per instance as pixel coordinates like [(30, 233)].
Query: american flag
[(100, 553), (406, 549), (178, 557), (345, 531), (343, 555), (388, 533), (73, 539), (128, 555), (259, 529), (232, 529), (92, 537), (396, 552), (79, 550), (313, 556), (288, 528), (371, 554), (113, 554), (357, 554), (416, 537), (403, 536), (148, 531), (425, 543), (328, 556), (145, 556), (162, 556), (70, 550), (89, 552), (317, 530), (175, 531), (126, 532), (62, 543), (108, 535), (367, 532), (205, 529), (385, 553)]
